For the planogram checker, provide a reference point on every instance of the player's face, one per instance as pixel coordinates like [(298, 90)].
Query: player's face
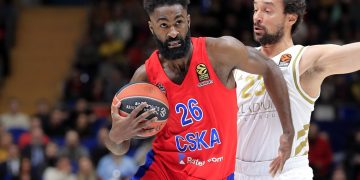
[(170, 26), (269, 21)]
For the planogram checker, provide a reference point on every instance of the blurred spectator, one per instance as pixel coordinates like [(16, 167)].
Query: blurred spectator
[(119, 27), (111, 47), (339, 174), (35, 151), (6, 141), (100, 150), (353, 157), (43, 110), (10, 169), (82, 106), (334, 39), (99, 15), (113, 84), (2, 129), (87, 57), (77, 85), (73, 149), (86, 169), (51, 154), (355, 88), (320, 154), (97, 94), (106, 67), (25, 138), (55, 126), (116, 167), (82, 125), (25, 169), (136, 56), (62, 170), (14, 118)]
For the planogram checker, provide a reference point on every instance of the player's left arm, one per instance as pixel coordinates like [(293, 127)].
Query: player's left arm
[(236, 55), (276, 86), (332, 59), (251, 60)]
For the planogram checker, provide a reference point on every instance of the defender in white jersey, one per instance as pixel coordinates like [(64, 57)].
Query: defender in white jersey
[(304, 69)]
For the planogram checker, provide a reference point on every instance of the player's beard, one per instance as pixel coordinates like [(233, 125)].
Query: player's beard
[(174, 53), (270, 38)]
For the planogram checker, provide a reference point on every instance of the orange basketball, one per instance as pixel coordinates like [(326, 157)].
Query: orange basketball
[(133, 94)]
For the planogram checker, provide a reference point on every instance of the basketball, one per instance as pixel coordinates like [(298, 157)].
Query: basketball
[(133, 94)]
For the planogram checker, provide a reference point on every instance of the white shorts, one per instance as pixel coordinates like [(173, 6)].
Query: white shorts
[(295, 168)]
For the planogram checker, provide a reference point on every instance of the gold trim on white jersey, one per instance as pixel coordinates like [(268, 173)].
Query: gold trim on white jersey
[(296, 77)]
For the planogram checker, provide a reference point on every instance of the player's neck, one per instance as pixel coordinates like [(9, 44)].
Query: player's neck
[(271, 50), (177, 69), (181, 63)]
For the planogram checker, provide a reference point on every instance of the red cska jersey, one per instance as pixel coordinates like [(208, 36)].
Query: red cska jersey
[(199, 139)]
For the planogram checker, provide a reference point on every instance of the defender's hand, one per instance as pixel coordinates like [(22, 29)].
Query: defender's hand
[(125, 128), (277, 164)]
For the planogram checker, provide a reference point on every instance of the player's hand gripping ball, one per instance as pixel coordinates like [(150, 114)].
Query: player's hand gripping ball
[(133, 94)]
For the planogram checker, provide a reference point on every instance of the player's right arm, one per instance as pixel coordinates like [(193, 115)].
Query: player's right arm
[(126, 127)]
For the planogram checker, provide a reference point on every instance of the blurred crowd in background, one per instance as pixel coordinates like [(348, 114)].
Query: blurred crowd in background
[(66, 140)]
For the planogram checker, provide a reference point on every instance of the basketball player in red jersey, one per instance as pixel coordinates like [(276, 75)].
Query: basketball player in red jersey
[(199, 139)]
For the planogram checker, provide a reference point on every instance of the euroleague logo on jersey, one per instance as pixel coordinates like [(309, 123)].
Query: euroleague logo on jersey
[(285, 60), (203, 75), (161, 87)]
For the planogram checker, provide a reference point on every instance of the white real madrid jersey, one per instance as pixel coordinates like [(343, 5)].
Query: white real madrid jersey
[(259, 126)]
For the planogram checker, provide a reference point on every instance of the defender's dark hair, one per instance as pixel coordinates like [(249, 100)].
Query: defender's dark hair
[(150, 5), (295, 7)]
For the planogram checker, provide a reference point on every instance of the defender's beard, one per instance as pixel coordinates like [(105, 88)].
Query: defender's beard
[(268, 38)]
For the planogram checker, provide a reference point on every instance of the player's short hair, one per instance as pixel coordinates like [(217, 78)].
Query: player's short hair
[(295, 7), (150, 5)]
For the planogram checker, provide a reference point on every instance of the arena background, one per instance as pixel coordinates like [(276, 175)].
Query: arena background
[(61, 62)]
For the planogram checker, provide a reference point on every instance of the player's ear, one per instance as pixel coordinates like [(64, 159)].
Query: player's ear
[(150, 27), (292, 18)]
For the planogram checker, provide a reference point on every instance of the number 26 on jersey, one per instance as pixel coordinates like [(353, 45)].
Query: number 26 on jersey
[(190, 112)]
